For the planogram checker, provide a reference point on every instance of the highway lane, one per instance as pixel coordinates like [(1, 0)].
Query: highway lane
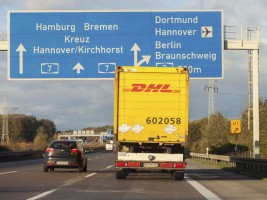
[(26, 180), (225, 184)]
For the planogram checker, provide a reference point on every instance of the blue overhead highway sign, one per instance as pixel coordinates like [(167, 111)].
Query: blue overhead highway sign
[(91, 44)]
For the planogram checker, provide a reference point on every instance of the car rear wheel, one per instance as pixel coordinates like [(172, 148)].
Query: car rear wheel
[(45, 168), (85, 168), (80, 169)]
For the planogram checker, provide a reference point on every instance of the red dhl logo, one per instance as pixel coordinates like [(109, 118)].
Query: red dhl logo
[(140, 87)]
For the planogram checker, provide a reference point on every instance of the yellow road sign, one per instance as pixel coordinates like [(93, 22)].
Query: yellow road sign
[(235, 126)]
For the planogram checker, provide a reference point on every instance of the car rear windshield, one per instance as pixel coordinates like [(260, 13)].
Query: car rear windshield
[(63, 145)]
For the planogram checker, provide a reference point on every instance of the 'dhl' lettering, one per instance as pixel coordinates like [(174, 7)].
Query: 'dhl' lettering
[(138, 87), (165, 88), (153, 87)]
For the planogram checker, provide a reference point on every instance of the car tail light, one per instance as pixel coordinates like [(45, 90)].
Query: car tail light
[(121, 164), (76, 151), (50, 163), (74, 164), (49, 150)]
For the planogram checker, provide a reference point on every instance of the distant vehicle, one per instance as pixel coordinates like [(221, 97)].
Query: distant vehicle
[(109, 146), (65, 154)]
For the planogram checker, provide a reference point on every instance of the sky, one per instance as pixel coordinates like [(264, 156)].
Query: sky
[(76, 104)]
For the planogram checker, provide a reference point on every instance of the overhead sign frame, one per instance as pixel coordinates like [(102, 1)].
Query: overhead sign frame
[(89, 45)]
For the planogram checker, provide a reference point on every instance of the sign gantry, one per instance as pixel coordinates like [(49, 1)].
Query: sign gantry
[(91, 44)]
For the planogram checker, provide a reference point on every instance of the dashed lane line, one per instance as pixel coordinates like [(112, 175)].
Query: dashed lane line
[(3, 173), (200, 188), (89, 175), (109, 166), (42, 194), (57, 188)]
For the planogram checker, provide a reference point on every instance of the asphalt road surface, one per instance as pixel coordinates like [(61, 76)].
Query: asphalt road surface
[(26, 180)]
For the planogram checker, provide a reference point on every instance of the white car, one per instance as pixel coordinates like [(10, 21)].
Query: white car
[(109, 146)]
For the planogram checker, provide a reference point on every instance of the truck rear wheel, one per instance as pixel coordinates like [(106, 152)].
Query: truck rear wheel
[(177, 175), (121, 174)]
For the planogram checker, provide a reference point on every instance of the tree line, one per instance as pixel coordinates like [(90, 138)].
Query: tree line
[(25, 128), (214, 133)]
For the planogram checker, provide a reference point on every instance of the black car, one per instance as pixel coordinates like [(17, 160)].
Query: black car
[(65, 154)]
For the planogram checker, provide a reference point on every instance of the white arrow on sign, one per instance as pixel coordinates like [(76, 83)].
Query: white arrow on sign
[(145, 59), (21, 49), (78, 67), (135, 49)]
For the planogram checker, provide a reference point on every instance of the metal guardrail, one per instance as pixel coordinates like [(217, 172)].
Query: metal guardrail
[(256, 165), (12, 156), (252, 164), (15, 156)]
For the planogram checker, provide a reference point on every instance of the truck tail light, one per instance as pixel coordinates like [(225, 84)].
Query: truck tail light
[(134, 164), (172, 165), (166, 165), (180, 165), (128, 164), (121, 164)]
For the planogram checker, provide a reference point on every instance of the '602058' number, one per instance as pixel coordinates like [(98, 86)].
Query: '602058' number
[(163, 120)]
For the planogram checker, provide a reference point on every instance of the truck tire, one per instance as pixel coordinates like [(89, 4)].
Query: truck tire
[(121, 174), (177, 175)]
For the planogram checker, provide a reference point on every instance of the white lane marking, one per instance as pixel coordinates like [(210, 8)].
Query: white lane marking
[(42, 194), (71, 181), (89, 175), (201, 189), (8, 172), (109, 166), (55, 189)]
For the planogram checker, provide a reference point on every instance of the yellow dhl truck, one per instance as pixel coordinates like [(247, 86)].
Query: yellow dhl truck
[(150, 120)]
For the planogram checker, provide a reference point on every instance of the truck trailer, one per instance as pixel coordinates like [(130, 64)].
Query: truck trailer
[(150, 120)]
